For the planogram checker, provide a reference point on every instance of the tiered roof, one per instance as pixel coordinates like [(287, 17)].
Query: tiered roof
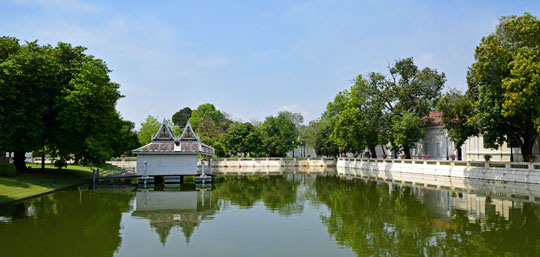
[(165, 142)]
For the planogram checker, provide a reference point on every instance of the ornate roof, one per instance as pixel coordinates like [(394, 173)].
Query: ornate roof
[(165, 142), (164, 133)]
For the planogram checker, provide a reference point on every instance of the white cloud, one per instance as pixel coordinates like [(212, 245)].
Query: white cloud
[(62, 4), (426, 58), (289, 108)]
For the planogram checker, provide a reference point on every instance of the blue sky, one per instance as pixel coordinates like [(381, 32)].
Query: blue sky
[(254, 58)]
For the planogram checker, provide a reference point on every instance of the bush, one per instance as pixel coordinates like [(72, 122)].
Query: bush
[(60, 163), (487, 157), (7, 169)]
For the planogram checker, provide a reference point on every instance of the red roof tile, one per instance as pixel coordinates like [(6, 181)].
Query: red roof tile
[(436, 119)]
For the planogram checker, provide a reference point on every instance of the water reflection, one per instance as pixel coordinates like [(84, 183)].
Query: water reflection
[(286, 214), (68, 223), (380, 218), (277, 192), (183, 207)]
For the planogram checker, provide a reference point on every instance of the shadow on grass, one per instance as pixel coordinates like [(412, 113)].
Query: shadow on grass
[(37, 181)]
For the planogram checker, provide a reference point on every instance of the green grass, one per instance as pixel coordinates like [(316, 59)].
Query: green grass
[(37, 181)]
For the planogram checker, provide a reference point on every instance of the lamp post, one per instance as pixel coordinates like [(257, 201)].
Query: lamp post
[(293, 149)]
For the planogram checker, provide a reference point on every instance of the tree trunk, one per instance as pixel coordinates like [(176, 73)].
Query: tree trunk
[(18, 161), (526, 147), (526, 150), (459, 153), (373, 151), (407, 152), (43, 157)]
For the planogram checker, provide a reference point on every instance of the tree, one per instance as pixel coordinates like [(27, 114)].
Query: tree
[(407, 130), (125, 139), (150, 126), (27, 74), (181, 117), (366, 109), (86, 118), (57, 98), (408, 96), (504, 83), (243, 138), (279, 134), (323, 143), (209, 123), (333, 116), (456, 110)]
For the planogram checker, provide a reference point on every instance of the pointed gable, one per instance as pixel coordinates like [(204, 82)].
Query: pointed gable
[(189, 134), (164, 133)]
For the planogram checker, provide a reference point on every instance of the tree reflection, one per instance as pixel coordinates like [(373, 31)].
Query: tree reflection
[(91, 217), (370, 220), (278, 193)]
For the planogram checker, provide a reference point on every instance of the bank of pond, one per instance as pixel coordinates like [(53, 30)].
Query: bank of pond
[(290, 214)]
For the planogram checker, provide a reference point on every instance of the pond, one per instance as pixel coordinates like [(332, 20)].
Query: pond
[(292, 214)]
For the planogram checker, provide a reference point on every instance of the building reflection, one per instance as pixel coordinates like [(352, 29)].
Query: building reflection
[(182, 206)]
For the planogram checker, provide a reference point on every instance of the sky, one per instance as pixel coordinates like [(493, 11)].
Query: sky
[(253, 59)]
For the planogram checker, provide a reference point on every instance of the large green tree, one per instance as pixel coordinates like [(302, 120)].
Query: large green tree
[(456, 110), (243, 138), (27, 80), (280, 133), (209, 123), (86, 116), (57, 98), (181, 117), (322, 143), (409, 95), (504, 83), (360, 122), (149, 127)]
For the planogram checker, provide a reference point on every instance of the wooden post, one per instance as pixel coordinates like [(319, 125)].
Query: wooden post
[(210, 164)]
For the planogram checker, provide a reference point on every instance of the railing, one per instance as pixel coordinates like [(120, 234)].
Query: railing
[(110, 173), (483, 164)]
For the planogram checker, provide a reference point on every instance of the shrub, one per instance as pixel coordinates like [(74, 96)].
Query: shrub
[(487, 157), (60, 163), (7, 170)]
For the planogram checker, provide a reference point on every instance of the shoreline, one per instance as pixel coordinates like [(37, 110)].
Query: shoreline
[(12, 202)]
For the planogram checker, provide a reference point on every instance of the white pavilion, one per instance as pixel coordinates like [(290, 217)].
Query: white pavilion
[(168, 155)]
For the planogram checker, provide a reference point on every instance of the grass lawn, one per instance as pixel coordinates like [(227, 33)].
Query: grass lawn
[(37, 181)]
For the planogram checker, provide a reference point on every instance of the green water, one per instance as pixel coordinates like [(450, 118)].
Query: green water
[(282, 215)]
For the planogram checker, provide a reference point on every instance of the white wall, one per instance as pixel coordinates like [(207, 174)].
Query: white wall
[(167, 164)]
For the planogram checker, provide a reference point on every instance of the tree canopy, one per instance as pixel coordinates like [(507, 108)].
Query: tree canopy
[(209, 123), (57, 97), (379, 110), (280, 133), (504, 83), (181, 117), (243, 138)]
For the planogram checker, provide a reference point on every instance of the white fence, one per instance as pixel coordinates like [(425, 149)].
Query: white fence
[(498, 171)]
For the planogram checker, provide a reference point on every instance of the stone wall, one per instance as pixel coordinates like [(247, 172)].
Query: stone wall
[(273, 162), (253, 164), (522, 172)]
